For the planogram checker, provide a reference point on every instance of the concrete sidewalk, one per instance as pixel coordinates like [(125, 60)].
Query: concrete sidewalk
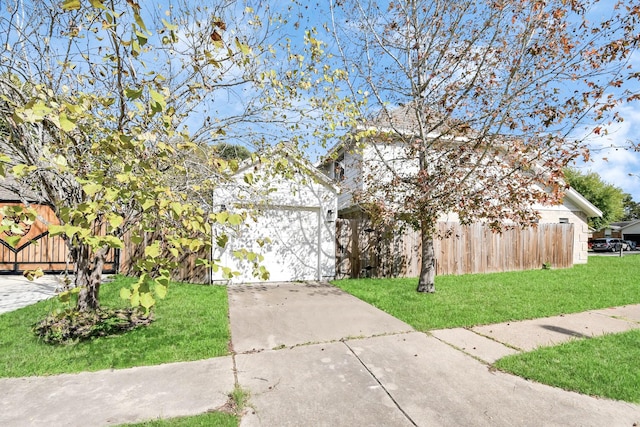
[(313, 355)]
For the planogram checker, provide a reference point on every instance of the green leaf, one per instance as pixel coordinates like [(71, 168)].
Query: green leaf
[(125, 294), (222, 217), (13, 240), (222, 240), (115, 220), (113, 242), (56, 230), (92, 189), (135, 299), (235, 219), (68, 5), (66, 124), (138, 18), (147, 301), (64, 296), (20, 171), (98, 4), (148, 204), (133, 93), (161, 290), (142, 38), (169, 26), (244, 48), (152, 250), (158, 101), (176, 208)]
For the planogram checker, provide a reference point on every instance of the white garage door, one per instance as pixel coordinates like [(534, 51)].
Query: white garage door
[(294, 251)]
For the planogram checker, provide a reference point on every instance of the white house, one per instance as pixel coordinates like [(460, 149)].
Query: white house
[(349, 166), (291, 209)]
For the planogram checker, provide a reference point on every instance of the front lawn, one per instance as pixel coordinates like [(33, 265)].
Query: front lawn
[(191, 324), (604, 366), (479, 299)]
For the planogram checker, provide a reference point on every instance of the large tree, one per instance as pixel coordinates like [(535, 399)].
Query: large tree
[(482, 99), (100, 101), (606, 197), (631, 208)]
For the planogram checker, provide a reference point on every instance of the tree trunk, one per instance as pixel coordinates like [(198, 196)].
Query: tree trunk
[(426, 282), (89, 267)]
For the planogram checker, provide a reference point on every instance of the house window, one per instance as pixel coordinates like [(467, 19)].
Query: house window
[(339, 168), (564, 220)]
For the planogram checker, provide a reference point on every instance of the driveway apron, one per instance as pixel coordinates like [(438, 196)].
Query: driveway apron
[(277, 315)]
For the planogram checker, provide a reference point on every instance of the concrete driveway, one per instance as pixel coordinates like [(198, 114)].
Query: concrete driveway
[(17, 292)]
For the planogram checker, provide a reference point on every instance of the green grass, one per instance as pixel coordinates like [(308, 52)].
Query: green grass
[(210, 419), (478, 299), (605, 366), (191, 324)]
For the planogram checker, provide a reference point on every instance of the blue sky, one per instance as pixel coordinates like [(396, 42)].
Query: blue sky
[(615, 164)]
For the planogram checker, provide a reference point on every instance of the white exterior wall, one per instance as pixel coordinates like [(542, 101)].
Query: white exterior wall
[(632, 229), (290, 211)]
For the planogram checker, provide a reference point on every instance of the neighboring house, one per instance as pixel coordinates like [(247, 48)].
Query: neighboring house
[(292, 210), (626, 230), (349, 166)]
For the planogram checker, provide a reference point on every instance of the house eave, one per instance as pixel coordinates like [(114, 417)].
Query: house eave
[(581, 202)]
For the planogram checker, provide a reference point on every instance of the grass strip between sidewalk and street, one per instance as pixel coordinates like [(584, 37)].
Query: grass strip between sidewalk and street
[(605, 366), (217, 419), (191, 323), (480, 299)]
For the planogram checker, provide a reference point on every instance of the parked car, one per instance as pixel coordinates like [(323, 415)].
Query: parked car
[(608, 244), (632, 245)]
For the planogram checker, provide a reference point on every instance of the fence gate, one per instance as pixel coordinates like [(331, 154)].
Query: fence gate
[(49, 253), (37, 249)]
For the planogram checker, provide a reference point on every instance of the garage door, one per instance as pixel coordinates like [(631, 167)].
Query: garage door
[(634, 237), (293, 251)]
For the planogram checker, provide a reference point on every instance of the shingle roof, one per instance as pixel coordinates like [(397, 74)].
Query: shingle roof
[(13, 191), (404, 119)]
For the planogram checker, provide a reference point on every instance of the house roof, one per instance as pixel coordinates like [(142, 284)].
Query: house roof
[(404, 120), (621, 225), (13, 191), (287, 152), (581, 202)]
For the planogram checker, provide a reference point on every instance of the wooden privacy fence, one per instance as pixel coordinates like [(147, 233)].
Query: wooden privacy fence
[(364, 251), (187, 270)]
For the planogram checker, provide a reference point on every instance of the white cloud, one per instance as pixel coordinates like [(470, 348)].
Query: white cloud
[(610, 156)]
